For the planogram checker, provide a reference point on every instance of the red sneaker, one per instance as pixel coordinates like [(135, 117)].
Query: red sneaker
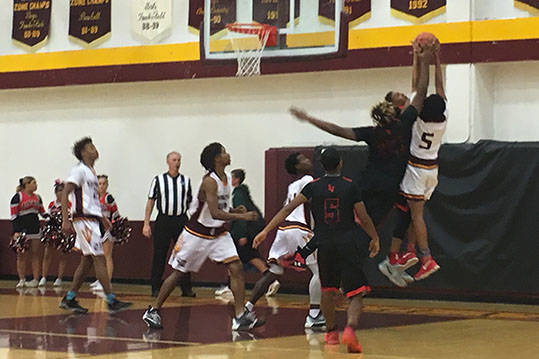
[(426, 269), (332, 338), (407, 260), (349, 338)]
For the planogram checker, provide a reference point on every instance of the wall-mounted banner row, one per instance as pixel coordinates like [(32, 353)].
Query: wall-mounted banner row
[(275, 12), (222, 12), (417, 11), (31, 23), (356, 10)]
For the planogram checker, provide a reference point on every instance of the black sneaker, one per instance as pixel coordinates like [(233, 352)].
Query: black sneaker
[(247, 321), (152, 318), (117, 306), (72, 305)]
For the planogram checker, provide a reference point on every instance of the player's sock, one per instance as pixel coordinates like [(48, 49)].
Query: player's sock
[(424, 254), (110, 298), (314, 310), (249, 306), (393, 258), (71, 295)]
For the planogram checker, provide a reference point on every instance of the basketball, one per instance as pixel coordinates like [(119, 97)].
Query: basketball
[(425, 38)]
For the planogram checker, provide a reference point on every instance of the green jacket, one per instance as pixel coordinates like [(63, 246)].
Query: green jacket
[(247, 229)]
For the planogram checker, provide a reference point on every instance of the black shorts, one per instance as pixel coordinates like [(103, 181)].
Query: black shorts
[(340, 261), (379, 204), (247, 253)]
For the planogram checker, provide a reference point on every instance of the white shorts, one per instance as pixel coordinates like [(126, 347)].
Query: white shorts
[(287, 241), (191, 251), (88, 239), (419, 183)]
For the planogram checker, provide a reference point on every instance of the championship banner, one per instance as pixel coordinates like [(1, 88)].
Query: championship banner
[(196, 15), (31, 23), (151, 20), (222, 12), (417, 11), (531, 6), (89, 21), (356, 10), (274, 12)]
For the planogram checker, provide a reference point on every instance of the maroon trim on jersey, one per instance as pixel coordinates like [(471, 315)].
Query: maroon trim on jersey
[(346, 179), (420, 162), (78, 203), (292, 224)]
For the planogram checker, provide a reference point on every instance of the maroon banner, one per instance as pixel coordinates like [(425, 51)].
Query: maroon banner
[(357, 10), (31, 22), (531, 6), (274, 12), (417, 11), (196, 14), (90, 21)]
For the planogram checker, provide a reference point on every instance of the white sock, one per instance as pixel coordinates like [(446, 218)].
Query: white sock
[(314, 312), (249, 306)]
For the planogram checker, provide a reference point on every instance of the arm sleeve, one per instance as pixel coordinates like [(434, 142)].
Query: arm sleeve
[(113, 207), (307, 191), (363, 133), (309, 248), (154, 189), (189, 193), (14, 207)]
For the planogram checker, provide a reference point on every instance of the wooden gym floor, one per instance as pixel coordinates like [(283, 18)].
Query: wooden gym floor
[(32, 326)]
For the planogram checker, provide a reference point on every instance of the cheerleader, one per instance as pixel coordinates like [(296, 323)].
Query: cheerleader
[(110, 211), (26, 205), (54, 209)]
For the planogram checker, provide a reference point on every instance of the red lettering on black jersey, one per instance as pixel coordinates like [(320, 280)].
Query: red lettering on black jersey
[(331, 211)]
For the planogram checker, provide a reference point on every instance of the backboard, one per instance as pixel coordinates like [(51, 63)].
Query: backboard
[(304, 27)]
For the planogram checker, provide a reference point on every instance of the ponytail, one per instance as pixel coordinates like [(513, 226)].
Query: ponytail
[(23, 182)]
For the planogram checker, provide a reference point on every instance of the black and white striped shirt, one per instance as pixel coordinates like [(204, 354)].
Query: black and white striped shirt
[(172, 194)]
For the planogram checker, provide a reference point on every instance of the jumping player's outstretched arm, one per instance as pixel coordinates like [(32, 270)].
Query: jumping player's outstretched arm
[(279, 217), (424, 55), (336, 130), (368, 226), (438, 76), (209, 187)]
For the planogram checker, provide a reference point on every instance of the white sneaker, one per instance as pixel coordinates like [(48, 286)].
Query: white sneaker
[(57, 282), (318, 322), (98, 287), (32, 284), (273, 288), (42, 282), (392, 273), (94, 284), (407, 278), (21, 283), (223, 290)]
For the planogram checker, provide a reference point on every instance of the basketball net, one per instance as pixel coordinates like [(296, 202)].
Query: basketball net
[(249, 59)]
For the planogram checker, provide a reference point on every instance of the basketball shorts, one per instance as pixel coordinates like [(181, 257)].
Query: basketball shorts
[(287, 241), (340, 261), (191, 251), (246, 252), (419, 183), (89, 240)]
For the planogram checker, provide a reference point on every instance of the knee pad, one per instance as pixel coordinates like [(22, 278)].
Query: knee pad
[(276, 269)]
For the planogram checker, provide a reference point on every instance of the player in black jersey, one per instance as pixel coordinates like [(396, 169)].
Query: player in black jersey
[(342, 245)]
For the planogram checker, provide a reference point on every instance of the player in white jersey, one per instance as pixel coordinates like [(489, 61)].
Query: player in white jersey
[(294, 232), (206, 236), (86, 212)]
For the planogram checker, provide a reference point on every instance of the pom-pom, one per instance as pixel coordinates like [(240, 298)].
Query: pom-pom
[(120, 231)]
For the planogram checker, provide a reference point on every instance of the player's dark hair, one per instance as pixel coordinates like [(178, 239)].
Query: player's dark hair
[(433, 109), (330, 158), (103, 176), (58, 185), (79, 146), (208, 155), (389, 96), (239, 174), (291, 162), (384, 114)]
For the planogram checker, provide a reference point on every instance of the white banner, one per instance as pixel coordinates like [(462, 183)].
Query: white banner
[(151, 20)]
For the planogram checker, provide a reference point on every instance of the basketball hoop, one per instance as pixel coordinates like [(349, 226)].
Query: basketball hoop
[(249, 59)]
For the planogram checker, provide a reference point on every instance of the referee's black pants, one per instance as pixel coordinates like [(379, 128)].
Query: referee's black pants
[(166, 231)]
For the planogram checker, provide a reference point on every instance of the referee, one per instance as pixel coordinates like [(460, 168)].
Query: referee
[(172, 192)]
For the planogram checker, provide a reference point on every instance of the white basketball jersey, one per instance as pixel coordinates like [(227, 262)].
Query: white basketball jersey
[(427, 138), (84, 199), (224, 198), (301, 213)]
